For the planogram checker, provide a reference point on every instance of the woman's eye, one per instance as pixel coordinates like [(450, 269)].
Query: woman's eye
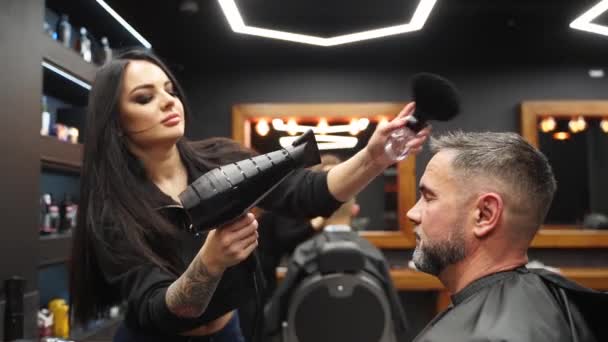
[(172, 92), (143, 99)]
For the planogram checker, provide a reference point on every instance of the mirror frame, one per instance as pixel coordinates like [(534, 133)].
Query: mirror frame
[(243, 114), (562, 236)]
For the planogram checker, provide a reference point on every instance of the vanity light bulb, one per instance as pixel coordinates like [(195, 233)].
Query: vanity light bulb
[(292, 127), (547, 125), (561, 135), (323, 126), (354, 127), (262, 127), (604, 125), (574, 126), (582, 124), (278, 124)]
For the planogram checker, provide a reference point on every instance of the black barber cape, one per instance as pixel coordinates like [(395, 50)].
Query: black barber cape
[(303, 263), (523, 305)]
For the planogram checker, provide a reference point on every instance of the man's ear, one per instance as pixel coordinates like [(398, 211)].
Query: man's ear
[(488, 211)]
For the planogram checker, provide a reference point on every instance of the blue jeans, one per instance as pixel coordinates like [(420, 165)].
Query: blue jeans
[(230, 333)]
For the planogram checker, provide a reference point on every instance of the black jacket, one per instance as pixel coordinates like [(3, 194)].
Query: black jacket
[(521, 305), (143, 286)]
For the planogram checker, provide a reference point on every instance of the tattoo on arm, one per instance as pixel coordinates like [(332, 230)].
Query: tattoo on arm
[(190, 294)]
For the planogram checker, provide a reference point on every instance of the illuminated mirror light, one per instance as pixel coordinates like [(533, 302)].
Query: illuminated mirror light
[(577, 125), (354, 127), (292, 127), (262, 127), (237, 24), (323, 126), (604, 125), (547, 124), (561, 135), (325, 142)]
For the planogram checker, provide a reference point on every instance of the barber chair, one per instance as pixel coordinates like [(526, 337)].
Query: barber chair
[(340, 297)]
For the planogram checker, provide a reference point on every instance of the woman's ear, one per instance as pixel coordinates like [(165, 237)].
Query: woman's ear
[(488, 211)]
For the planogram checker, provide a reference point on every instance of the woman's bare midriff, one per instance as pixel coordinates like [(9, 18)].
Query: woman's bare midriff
[(211, 327)]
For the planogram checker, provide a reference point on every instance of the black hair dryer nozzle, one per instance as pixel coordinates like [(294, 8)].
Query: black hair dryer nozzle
[(226, 193)]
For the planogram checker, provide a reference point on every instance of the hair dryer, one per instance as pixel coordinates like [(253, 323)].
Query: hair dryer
[(224, 194)]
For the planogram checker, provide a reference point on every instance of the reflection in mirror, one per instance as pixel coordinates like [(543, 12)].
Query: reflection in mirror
[(341, 137), (577, 148)]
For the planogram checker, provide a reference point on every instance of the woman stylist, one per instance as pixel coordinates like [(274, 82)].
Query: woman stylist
[(132, 243)]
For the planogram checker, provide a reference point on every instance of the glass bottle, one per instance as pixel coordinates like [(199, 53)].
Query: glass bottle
[(64, 31), (107, 51), (396, 144), (85, 46), (46, 118)]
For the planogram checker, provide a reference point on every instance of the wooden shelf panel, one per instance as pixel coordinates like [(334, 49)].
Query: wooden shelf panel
[(54, 249), (412, 280), (67, 59), (60, 155), (570, 238)]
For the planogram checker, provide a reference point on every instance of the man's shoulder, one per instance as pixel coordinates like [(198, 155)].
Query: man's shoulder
[(518, 308)]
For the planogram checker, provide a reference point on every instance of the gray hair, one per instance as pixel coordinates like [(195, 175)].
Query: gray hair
[(506, 157)]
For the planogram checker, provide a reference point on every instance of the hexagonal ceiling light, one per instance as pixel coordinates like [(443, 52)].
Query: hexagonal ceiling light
[(584, 22), (237, 24)]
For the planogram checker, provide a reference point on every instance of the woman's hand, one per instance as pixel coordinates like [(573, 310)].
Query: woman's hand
[(375, 145), (230, 244)]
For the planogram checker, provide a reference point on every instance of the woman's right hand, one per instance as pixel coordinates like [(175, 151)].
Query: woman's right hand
[(230, 244)]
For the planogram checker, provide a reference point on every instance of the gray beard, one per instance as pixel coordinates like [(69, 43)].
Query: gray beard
[(434, 258)]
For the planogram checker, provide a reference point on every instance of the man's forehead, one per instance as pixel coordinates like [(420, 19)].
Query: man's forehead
[(438, 170)]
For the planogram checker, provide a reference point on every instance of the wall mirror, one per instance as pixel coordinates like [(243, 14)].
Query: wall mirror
[(341, 129), (574, 137)]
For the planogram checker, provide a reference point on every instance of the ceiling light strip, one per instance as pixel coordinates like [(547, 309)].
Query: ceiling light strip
[(584, 22), (125, 24), (235, 20)]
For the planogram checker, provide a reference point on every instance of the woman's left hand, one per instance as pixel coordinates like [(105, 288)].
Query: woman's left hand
[(375, 145)]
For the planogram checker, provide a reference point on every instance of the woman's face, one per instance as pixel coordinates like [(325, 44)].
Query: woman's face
[(150, 110)]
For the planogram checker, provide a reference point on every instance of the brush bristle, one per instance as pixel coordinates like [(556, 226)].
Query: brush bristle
[(436, 97)]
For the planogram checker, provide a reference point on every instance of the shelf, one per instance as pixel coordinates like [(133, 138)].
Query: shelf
[(60, 155), (67, 60), (411, 280), (54, 248)]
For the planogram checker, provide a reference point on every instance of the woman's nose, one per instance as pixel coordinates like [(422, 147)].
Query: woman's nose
[(168, 101)]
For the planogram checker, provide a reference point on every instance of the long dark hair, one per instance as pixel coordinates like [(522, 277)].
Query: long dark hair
[(113, 204)]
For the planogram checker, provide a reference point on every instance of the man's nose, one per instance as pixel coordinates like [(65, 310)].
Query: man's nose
[(414, 214)]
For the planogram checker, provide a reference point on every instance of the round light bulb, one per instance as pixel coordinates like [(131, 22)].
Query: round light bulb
[(548, 124), (561, 135), (262, 127), (292, 127), (604, 125), (323, 126), (354, 127)]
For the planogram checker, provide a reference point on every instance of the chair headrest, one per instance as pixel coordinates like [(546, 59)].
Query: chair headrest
[(340, 256)]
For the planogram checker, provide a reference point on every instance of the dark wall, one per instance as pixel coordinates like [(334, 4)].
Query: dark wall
[(491, 96), (20, 76)]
